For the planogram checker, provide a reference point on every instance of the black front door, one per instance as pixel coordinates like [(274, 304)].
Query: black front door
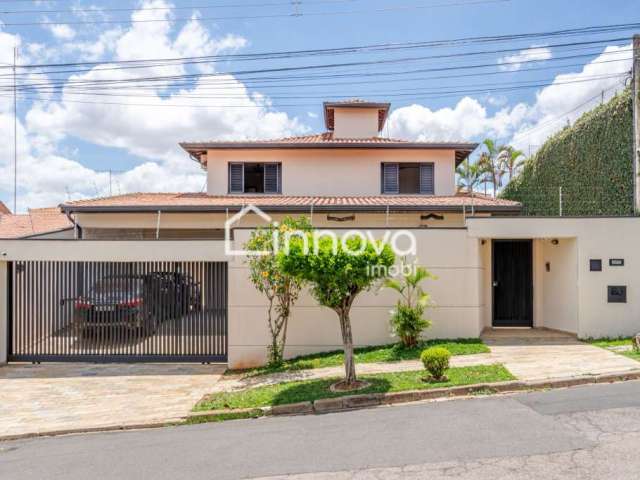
[(512, 283)]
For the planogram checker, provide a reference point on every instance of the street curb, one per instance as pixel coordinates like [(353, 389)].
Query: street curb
[(354, 402), (107, 428)]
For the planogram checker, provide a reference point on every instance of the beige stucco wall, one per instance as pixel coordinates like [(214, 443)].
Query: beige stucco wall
[(355, 122), (350, 172), (449, 254), (559, 285), (217, 220), (569, 297), (573, 298)]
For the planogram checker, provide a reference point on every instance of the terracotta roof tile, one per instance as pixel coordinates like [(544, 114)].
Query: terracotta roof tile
[(151, 201), (325, 140), (37, 221), (326, 137)]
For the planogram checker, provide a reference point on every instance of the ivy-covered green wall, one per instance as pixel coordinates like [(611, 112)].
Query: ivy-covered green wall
[(592, 161)]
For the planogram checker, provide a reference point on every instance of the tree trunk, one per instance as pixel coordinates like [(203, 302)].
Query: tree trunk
[(347, 343)]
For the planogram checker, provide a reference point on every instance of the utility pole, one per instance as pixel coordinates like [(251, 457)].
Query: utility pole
[(636, 122), (15, 133)]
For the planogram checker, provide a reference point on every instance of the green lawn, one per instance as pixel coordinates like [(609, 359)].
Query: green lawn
[(307, 390), (615, 342), (374, 354)]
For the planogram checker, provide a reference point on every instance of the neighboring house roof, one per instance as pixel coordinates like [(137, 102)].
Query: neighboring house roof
[(4, 209), (37, 222), (202, 202), (325, 140), (329, 110)]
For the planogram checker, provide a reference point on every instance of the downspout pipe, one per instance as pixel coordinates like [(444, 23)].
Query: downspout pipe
[(76, 228)]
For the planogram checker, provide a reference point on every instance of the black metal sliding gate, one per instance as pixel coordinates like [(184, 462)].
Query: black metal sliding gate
[(118, 311)]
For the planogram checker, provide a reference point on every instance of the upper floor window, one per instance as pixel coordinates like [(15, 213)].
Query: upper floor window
[(407, 178), (255, 178)]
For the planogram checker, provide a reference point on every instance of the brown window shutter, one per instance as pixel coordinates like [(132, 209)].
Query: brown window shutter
[(236, 178), (272, 178), (390, 181), (427, 184)]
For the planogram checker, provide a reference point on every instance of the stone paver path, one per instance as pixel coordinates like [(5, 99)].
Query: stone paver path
[(53, 397), (238, 382)]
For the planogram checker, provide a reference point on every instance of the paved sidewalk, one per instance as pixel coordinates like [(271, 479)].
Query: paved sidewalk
[(53, 397), (540, 354)]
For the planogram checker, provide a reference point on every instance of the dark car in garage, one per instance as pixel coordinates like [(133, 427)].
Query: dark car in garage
[(136, 303)]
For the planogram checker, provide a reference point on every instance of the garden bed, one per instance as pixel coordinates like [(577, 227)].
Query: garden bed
[(310, 390), (374, 354)]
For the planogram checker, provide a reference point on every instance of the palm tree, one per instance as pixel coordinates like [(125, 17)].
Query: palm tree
[(491, 165), (470, 175), (511, 161)]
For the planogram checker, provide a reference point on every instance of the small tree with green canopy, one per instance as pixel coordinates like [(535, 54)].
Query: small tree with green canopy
[(337, 272), (282, 290)]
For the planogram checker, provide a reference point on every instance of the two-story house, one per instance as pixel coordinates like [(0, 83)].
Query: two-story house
[(494, 269)]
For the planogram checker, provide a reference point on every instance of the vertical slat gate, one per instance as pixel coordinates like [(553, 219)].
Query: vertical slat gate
[(117, 311)]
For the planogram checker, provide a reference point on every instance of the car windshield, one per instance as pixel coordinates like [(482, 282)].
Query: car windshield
[(112, 285)]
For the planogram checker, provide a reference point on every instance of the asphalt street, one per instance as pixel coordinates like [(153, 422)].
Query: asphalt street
[(582, 433)]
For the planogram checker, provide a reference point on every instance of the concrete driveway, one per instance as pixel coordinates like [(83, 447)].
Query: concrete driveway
[(58, 397)]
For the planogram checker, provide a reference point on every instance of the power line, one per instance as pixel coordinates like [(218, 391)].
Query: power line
[(455, 42), (260, 17), (387, 93), (420, 96), (528, 132), (316, 67), (177, 7), (147, 64)]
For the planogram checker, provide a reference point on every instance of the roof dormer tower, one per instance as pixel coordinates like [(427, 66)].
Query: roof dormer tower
[(355, 118)]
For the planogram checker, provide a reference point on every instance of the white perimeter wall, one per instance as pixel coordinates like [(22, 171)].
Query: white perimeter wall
[(571, 297)]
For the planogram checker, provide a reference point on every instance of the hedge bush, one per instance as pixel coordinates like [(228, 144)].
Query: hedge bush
[(436, 361), (592, 161)]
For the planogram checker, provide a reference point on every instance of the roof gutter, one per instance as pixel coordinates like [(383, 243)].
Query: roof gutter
[(286, 208), (326, 145)]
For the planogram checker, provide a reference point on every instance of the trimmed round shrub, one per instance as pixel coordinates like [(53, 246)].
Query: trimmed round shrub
[(436, 361)]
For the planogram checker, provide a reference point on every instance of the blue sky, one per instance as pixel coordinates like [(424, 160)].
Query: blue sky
[(66, 143)]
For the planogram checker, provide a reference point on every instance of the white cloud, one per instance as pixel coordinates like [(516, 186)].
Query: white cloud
[(514, 62), (96, 48), (525, 124), (572, 94), (49, 173), (467, 120), (61, 31), (47, 176)]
